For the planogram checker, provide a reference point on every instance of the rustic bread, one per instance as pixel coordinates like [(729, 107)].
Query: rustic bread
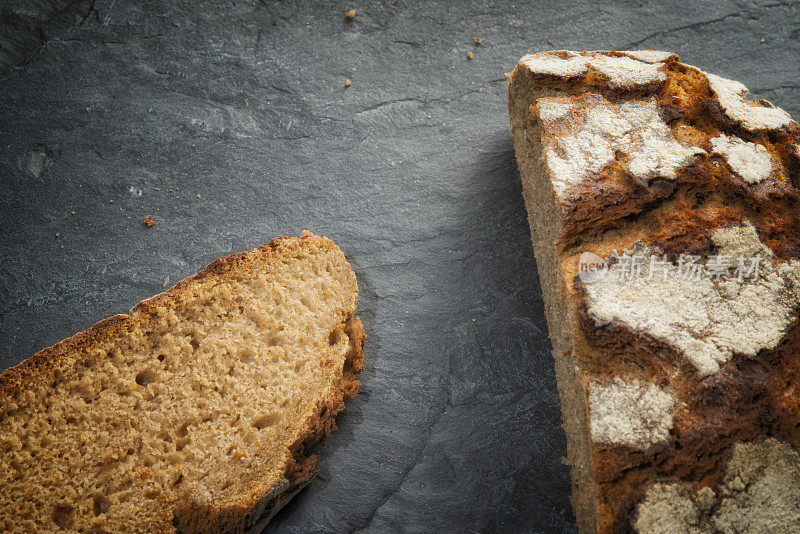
[(651, 187), (195, 412)]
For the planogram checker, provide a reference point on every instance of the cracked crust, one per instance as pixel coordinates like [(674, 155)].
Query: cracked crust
[(594, 180), (189, 509)]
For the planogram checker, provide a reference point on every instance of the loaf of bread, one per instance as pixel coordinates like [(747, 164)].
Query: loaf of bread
[(195, 412), (665, 217)]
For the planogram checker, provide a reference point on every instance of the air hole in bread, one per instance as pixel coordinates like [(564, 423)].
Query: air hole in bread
[(146, 377), (333, 337), (265, 421), (100, 504), (183, 430), (246, 355), (64, 515)]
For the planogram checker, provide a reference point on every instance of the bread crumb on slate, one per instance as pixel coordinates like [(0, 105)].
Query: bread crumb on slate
[(111, 201), (348, 83), (73, 213), (350, 14), (149, 221), (478, 41), (198, 195), (469, 55)]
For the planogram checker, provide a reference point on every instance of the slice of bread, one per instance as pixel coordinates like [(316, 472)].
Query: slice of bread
[(195, 412), (648, 182)]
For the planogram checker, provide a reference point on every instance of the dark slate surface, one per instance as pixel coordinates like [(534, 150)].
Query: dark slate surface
[(411, 171)]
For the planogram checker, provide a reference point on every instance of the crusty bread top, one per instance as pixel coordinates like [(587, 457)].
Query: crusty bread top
[(622, 130), (689, 383), (194, 412)]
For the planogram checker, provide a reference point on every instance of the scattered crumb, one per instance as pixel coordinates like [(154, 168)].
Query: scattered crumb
[(350, 14), (469, 55), (304, 98), (149, 221), (73, 213), (348, 83), (478, 41), (58, 234), (111, 201), (762, 39), (198, 195)]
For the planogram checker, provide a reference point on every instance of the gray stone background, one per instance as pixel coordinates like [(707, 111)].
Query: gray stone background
[(229, 122)]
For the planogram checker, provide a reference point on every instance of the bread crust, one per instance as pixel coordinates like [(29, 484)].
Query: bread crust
[(673, 157), (251, 512)]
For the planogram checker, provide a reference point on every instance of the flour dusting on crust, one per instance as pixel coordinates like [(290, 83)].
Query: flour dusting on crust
[(618, 71), (732, 98), (750, 161), (632, 413), (760, 492), (706, 320), (581, 135), (564, 64), (650, 56)]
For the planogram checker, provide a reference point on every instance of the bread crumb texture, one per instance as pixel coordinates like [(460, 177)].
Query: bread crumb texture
[(193, 413), (630, 413), (706, 320), (760, 492)]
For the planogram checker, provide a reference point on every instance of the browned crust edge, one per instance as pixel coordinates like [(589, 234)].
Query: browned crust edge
[(251, 512), (44, 360)]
